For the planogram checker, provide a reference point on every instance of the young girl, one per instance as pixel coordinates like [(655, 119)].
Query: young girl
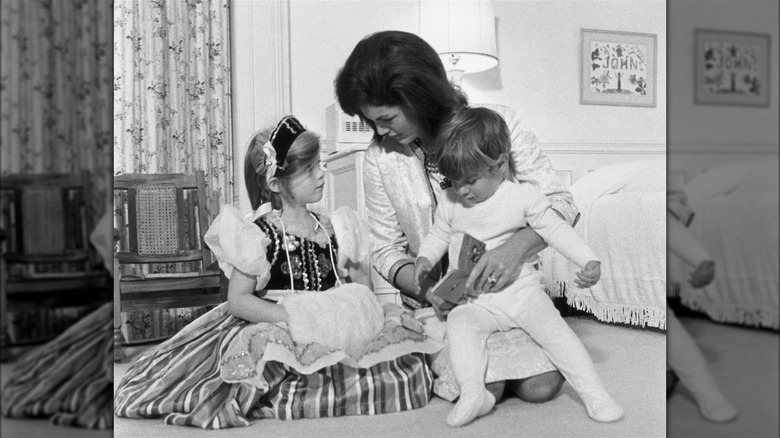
[(475, 157), (247, 359), (684, 357)]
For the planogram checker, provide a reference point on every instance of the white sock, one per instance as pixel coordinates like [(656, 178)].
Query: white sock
[(687, 361), (716, 408), (569, 355), (601, 407), (468, 327), (470, 406)]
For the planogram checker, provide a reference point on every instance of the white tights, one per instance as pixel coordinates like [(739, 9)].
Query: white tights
[(683, 355), (686, 359), (468, 327)]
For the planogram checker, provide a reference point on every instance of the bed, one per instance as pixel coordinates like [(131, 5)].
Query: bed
[(623, 218), (736, 220)]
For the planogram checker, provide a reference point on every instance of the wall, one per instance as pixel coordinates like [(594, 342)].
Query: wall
[(702, 136), (538, 73), (539, 69)]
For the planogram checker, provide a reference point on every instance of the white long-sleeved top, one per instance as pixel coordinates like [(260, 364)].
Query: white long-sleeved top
[(493, 221), (401, 197)]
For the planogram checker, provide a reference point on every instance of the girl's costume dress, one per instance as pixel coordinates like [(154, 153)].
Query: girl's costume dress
[(221, 371), (70, 378)]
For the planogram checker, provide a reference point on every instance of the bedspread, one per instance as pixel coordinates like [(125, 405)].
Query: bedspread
[(623, 209), (737, 223)]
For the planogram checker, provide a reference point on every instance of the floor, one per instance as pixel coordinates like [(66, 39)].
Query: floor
[(631, 362), (745, 363)]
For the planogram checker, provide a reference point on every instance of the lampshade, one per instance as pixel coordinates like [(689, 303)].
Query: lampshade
[(463, 32)]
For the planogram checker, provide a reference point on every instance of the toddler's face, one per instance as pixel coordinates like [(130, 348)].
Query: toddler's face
[(480, 187)]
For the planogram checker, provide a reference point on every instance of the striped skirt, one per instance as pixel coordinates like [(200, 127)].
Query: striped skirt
[(180, 381), (68, 379)]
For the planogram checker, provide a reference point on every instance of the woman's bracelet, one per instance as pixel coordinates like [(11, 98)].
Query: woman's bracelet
[(395, 269)]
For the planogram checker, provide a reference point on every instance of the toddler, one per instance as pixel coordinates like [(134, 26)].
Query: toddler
[(486, 203), (683, 356)]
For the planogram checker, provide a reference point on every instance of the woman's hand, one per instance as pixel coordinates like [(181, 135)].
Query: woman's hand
[(589, 276), (422, 268), (502, 264)]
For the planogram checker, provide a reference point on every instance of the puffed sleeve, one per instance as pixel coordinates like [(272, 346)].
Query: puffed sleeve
[(351, 234), (239, 244)]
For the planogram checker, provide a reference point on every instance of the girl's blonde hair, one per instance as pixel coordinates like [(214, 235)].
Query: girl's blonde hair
[(472, 141), (302, 157)]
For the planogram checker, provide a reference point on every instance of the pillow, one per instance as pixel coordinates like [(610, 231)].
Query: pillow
[(631, 176), (747, 177)]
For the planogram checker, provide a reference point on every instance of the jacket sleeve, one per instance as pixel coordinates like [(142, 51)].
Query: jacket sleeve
[(437, 241), (389, 246), (534, 167)]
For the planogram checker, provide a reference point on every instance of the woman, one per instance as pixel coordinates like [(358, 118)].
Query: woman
[(395, 82)]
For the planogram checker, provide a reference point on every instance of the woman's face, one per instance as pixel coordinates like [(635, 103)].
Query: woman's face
[(392, 121)]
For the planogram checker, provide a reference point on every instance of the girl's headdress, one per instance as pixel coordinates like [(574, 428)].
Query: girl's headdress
[(274, 151)]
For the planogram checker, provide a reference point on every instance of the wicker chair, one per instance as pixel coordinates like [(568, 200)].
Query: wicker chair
[(161, 260), (47, 261)]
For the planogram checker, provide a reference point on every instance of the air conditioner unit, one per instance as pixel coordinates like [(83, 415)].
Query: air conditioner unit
[(343, 130), (344, 181)]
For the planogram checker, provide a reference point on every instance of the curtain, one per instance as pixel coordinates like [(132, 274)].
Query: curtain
[(172, 112), (172, 106), (55, 90)]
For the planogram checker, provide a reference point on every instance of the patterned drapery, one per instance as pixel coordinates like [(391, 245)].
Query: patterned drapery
[(55, 90), (172, 112), (172, 106)]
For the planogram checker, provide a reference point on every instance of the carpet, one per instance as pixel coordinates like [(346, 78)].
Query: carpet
[(631, 361), (744, 362)]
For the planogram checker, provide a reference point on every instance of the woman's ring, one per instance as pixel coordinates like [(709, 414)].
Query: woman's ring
[(492, 279)]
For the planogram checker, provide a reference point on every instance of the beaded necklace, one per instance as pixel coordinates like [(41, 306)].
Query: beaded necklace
[(432, 168)]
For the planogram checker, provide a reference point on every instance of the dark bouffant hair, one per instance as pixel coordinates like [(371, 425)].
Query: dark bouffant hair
[(394, 68)]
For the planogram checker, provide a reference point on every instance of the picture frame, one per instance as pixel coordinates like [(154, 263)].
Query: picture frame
[(618, 68), (731, 68)]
